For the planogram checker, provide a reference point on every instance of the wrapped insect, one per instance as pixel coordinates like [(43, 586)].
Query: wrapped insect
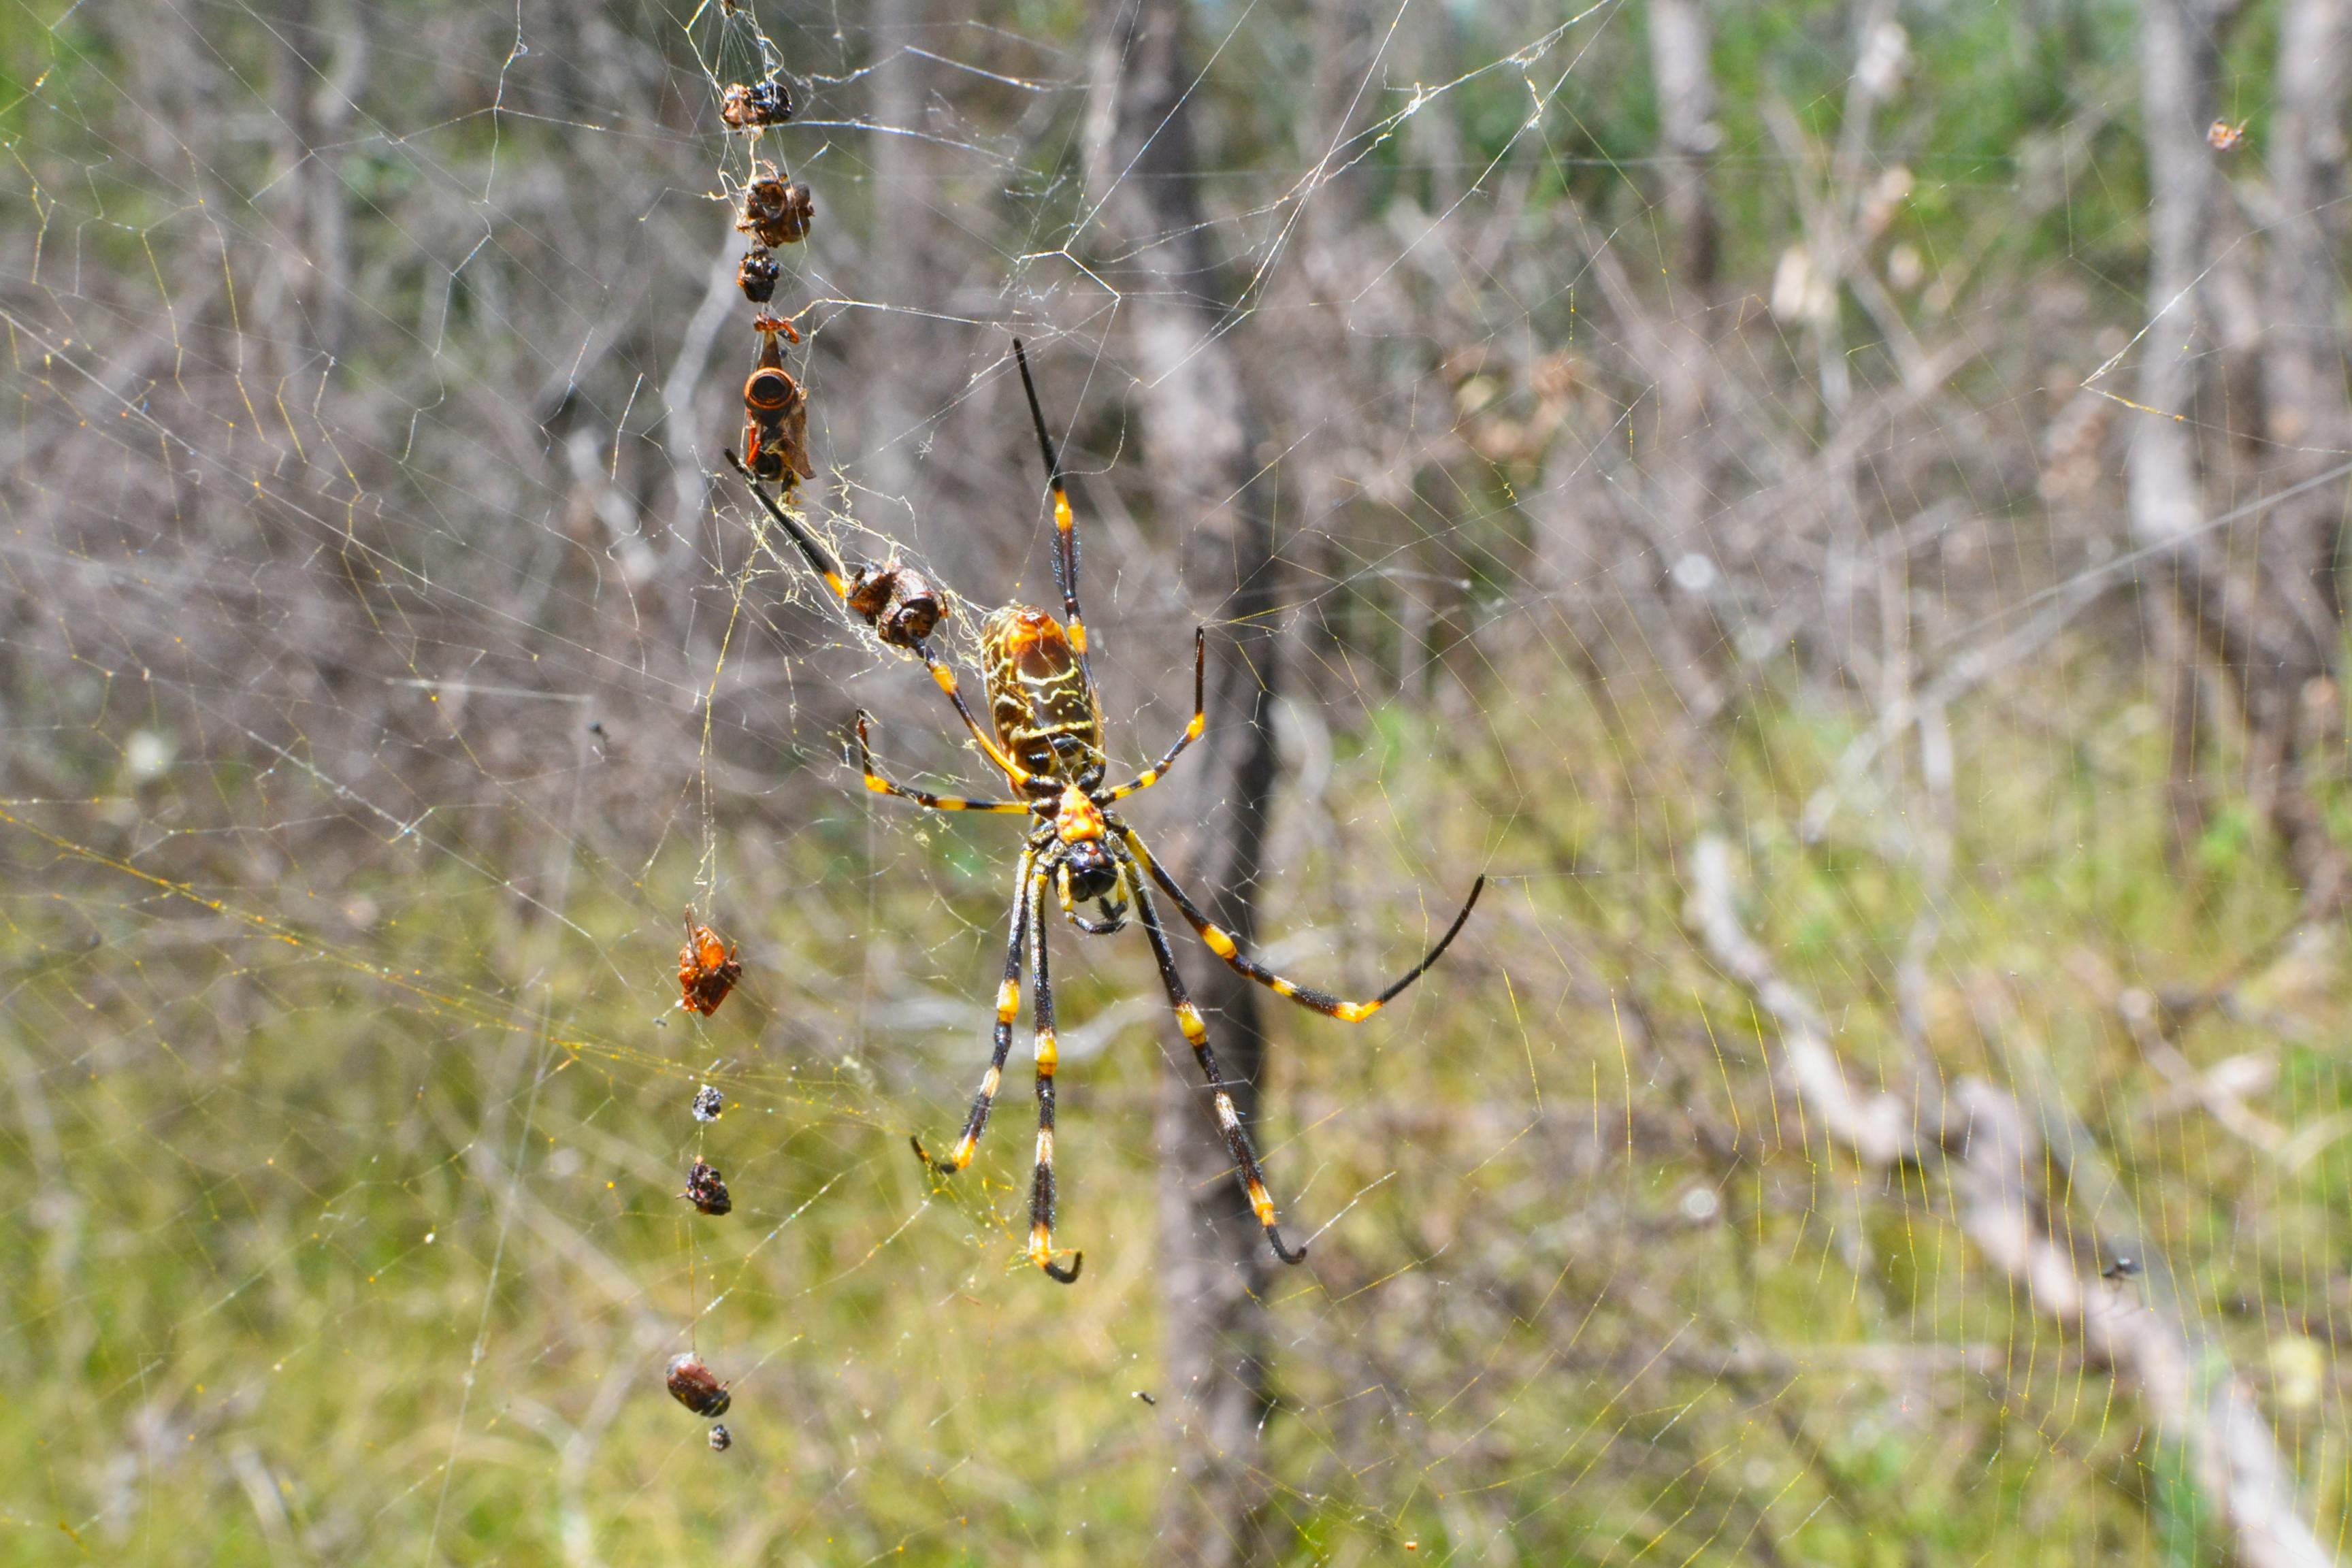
[(898, 602), (707, 1103), (756, 274), (692, 1385), (776, 211), (706, 1191), (748, 106), (706, 969), (775, 414)]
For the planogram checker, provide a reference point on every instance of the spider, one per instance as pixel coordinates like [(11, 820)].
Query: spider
[(1047, 742)]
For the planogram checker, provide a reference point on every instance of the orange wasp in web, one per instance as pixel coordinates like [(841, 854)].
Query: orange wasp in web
[(706, 969)]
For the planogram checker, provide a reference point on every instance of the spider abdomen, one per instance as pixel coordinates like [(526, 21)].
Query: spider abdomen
[(1045, 711)]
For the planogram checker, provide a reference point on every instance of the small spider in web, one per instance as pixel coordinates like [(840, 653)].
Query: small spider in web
[(2224, 137), (1047, 742)]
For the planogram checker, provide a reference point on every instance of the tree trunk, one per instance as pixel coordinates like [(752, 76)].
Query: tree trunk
[(1685, 77), (2272, 622), (1198, 442), (2302, 374)]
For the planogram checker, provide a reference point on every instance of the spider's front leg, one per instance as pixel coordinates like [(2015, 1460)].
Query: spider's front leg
[(1221, 941)]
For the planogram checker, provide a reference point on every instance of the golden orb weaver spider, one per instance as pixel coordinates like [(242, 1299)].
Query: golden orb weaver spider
[(1048, 717)]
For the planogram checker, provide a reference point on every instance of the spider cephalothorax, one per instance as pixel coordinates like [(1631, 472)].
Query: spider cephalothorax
[(1048, 743)]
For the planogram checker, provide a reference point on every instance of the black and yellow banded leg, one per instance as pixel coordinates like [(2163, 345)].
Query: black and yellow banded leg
[(1221, 942), (1008, 1006), (1158, 770), (1040, 1020), (1246, 1169), (880, 785), (1066, 532), (944, 677), (822, 562), (811, 550)]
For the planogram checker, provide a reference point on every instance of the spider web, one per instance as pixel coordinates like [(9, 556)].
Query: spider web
[(1892, 1089)]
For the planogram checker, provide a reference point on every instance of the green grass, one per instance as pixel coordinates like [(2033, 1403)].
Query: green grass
[(330, 1232)]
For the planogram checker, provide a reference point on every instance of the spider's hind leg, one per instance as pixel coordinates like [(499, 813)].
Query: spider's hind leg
[(1008, 1005), (1042, 1191), (1246, 1168)]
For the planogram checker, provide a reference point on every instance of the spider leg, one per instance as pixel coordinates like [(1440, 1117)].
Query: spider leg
[(1065, 532), (821, 562), (1229, 1120), (1041, 1018), (1221, 942), (811, 549), (944, 677), (1008, 1004), (880, 785), (1158, 770)]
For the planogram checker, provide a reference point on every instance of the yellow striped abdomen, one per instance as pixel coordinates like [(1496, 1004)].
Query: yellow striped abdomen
[(1047, 713)]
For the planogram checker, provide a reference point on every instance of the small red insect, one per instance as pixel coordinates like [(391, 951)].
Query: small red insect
[(2224, 137), (706, 969), (694, 1385)]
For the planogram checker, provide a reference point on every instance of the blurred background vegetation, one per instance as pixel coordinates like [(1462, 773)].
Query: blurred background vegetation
[(1833, 508)]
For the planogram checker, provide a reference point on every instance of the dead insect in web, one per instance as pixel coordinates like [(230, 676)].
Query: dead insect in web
[(1145, 1397), (748, 106), (914, 612), (692, 1385), (2123, 1267), (775, 411), (2224, 137), (776, 211), (721, 1439), (756, 274), (707, 1103), (706, 969), (706, 1191), (898, 602)]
